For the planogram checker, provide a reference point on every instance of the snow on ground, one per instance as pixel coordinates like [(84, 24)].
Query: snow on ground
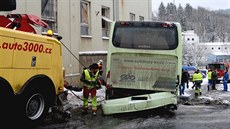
[(186, 91), (75, 98)]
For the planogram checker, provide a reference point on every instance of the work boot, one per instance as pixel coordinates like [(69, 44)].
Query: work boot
[(94, 113), (196, 94)]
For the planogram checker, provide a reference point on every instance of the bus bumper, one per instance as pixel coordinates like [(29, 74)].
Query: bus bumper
[(138, 103)]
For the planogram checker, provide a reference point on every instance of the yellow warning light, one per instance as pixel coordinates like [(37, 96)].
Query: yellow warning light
[(49, 32)]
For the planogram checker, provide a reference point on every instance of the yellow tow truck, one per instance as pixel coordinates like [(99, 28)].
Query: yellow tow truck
[(31, 75)]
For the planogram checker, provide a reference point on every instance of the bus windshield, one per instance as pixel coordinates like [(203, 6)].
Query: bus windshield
[(145, 35)]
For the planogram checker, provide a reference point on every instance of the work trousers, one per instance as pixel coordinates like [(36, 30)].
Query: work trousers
[(198, 90), (182, 87), (225, 83), (86, 92)]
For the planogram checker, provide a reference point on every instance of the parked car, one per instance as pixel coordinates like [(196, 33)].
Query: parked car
[(204, 72)]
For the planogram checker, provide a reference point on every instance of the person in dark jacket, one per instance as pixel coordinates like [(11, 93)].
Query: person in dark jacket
[(214, 78), (184, 79), (187, 75)]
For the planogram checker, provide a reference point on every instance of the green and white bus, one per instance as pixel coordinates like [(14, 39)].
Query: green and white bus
[(144, 64)]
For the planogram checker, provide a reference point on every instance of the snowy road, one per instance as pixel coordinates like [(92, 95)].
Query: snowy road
[(210, 111)]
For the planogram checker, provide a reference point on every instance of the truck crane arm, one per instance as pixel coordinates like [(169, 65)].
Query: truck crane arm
[(22, 22)]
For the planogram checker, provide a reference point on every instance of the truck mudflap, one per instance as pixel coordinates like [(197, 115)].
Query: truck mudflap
[(61, 112), (138, 103)]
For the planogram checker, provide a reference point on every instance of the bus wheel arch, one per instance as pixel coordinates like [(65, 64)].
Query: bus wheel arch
[(35, 99)]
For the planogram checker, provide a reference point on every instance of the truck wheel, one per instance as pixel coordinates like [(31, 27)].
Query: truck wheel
[(34, 107)]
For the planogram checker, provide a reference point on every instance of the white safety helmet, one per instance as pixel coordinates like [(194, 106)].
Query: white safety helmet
[(100, 61)]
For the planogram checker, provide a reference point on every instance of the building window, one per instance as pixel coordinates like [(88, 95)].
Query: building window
[(188, 39), (212, 48), (219, 48), (132, 17), (85, 17), (49, 14), (192, 39), (141, 18), (105, 11)]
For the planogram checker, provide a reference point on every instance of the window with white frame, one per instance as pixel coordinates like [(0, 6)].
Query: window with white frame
[(105, 21), (85, 17), (141, 18), (132, 17)]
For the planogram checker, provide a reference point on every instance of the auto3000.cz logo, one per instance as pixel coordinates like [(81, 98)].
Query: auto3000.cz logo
[(30, 47)]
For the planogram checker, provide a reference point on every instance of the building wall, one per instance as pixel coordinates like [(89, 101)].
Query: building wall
[(190, 37), (95, 42), (215, 51), (216, 47), (28, 7), (68, 27), (137, 7)]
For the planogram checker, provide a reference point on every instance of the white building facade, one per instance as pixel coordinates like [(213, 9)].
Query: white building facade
[(190, 36), (216, 51)]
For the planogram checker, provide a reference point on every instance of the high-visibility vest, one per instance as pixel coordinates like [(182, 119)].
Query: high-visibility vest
[(90, 78), (209, 75), (197, 77)]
